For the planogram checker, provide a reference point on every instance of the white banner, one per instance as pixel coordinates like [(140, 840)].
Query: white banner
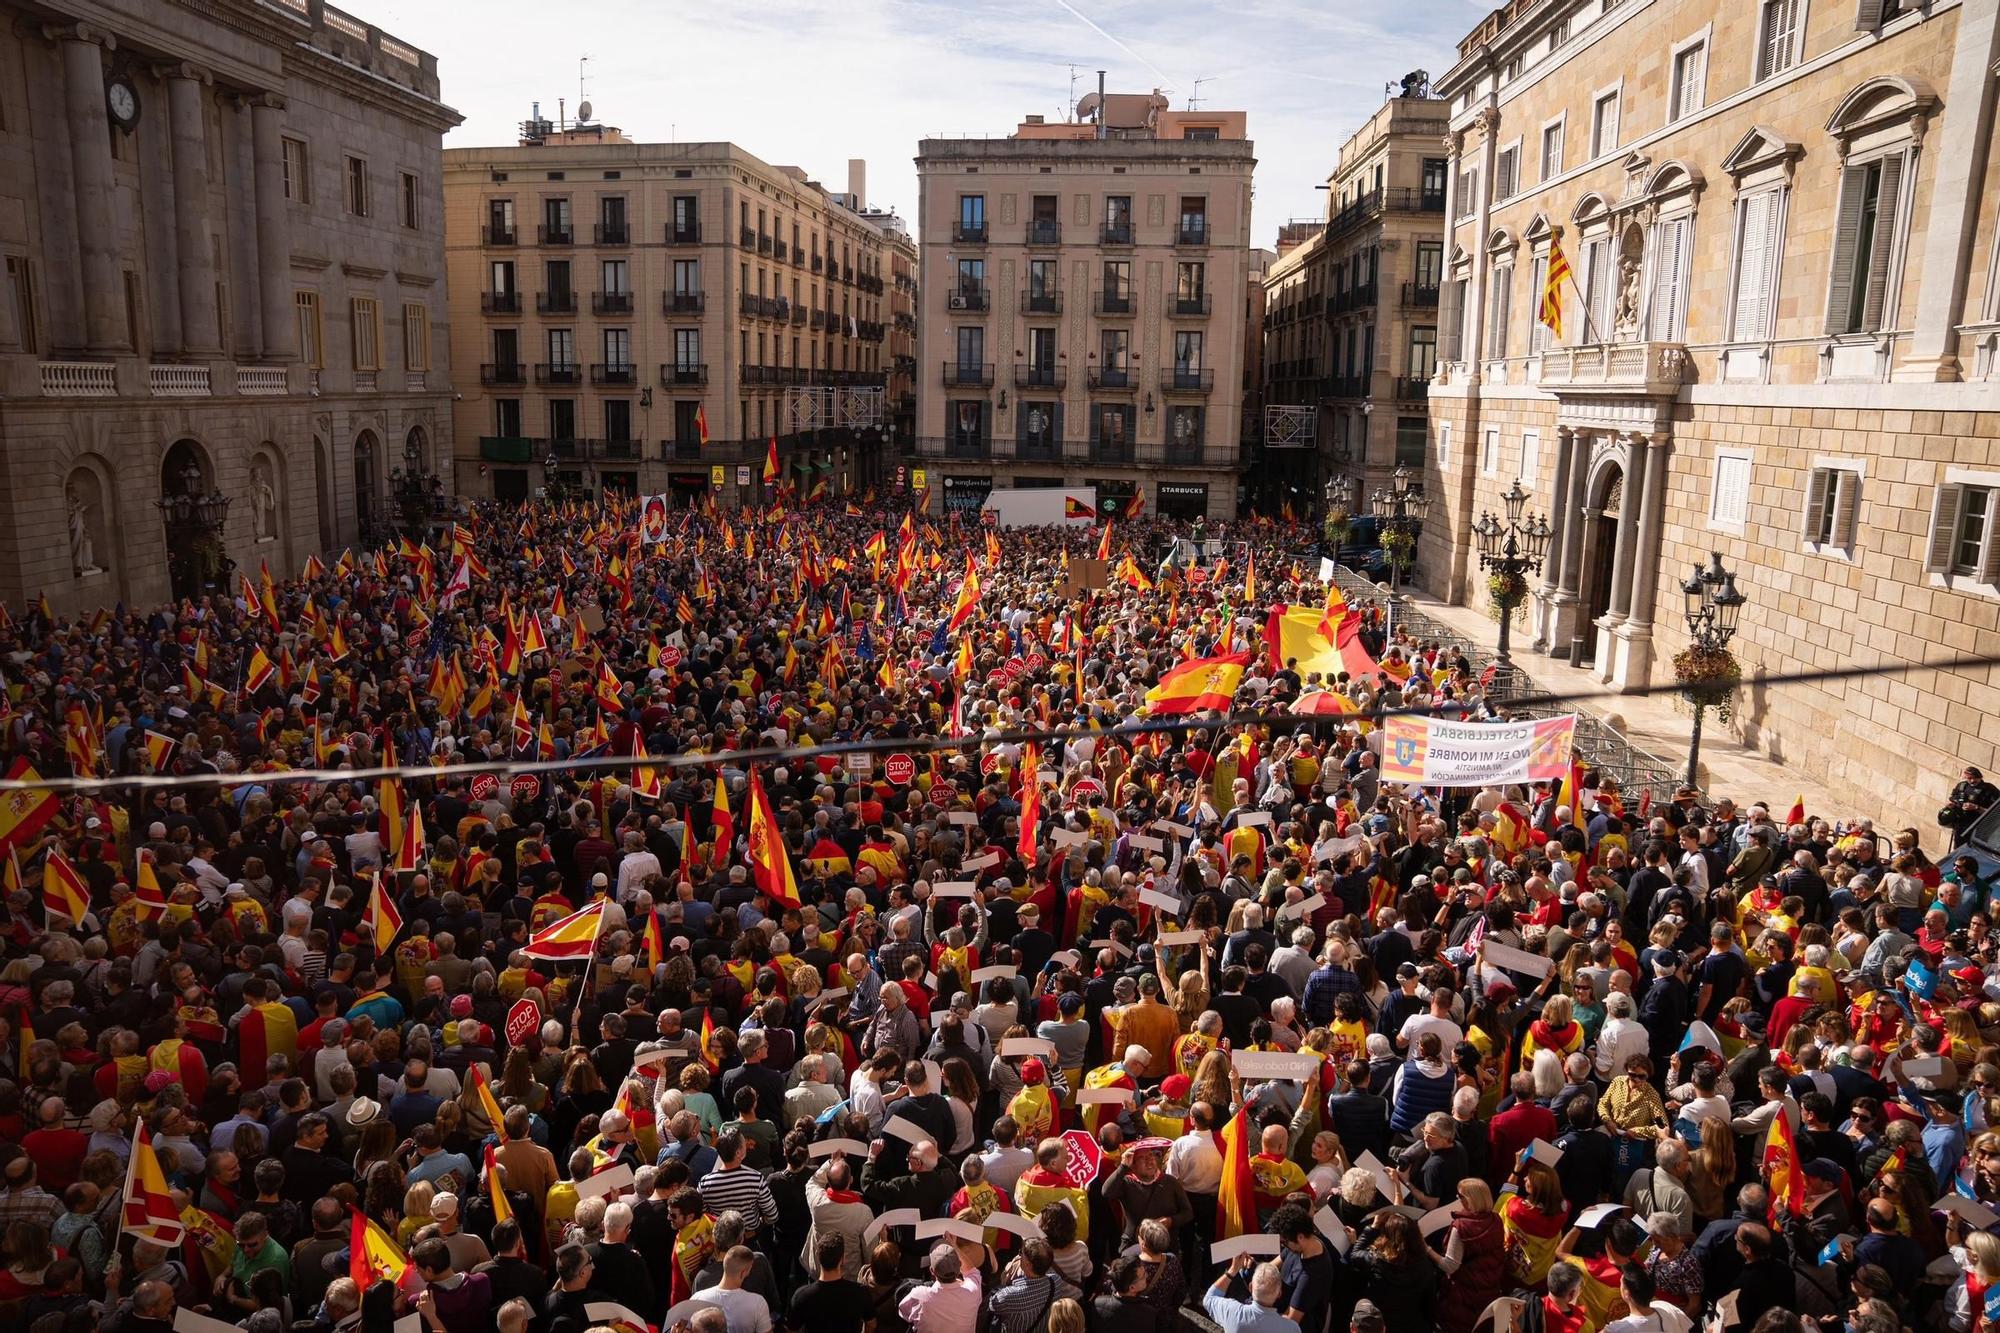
[(1437, 753)]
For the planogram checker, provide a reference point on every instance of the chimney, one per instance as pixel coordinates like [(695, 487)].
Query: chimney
[(1100, 104), (857, 181)]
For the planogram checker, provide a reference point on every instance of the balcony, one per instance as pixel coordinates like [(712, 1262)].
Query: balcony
[(179, 381), (798, 316), (1109, 303), (680, 450), (1115, 233), (763, 244), (558, 372), (847, 274), (503, 373), (555, 303), (968, 299), (506, 449), (1041, 377), (254, 381), (1362, 297), (1185, 453), (1117, 377), (613, 373), (492, 234), (754, 375), (500, 303), (1111, 451), (684, 233), (672, 374), (747, 238), (683, 303), (611, 233), (969, 233), (555, 234), (1649, 369), (1420, 296), (1412, 388), (816, 263), (562, 448), (1044, 231), (817, 322), (798, 255), (1189, 307), (611, 303), (1041, 303), (1187, 380), (1192, 232), (756, 307), (779, 251), (968, 375), (615, 451), (1427, 201)]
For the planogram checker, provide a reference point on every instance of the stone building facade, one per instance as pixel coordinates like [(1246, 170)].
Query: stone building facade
[(611, 297), (1779, 345), (221, 270), (1083, 307)]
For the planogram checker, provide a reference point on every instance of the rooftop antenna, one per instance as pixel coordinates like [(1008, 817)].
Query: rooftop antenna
[(1070, 110), (1194, 98), (582, 85)]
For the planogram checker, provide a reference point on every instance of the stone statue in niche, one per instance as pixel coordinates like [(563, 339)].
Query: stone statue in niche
[(82, 549), (266, 503), (1625, 320)]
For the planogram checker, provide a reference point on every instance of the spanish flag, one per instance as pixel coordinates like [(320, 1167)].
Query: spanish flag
[(770, 861), (488, 1106), (63, 891), (1104, 542), (1191, 687), (1074, 508), (1236, 1199), (827, 858), (410, 851), (574, 937), (962, 668), (159, 749), (967, 599), (373, 1255), (1136, 505), (24, 812), (722, 823), (1250, 581), (708, 1040), (1031, 803), (1797, 814), (656, 947), (382, 919), (1574, 796), (1782, 1169), (146, 889), (771, 470), (701, 424), (149, 1205), (502, 1211)]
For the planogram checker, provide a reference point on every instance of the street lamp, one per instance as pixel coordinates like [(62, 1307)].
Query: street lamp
[(1712, 607), (1509, 551), (1401, 513), (194, 520)]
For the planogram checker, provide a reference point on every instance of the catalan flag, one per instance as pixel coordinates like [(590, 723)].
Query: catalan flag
[(572, 938), (1205, 683), (1552, 307)]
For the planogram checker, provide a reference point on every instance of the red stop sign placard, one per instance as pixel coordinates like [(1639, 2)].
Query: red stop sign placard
[(485, 786), (525, 787), (900, 769), (1082, 1157), (522, 1020)]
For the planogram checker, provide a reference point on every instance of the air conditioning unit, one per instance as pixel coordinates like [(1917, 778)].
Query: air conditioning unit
[(958, 301)]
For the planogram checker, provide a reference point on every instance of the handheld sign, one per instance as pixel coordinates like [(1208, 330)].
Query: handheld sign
[(1224, 1250), (895, 1217), (957, 888), (907, 1130), (961, 817), (1509, 959), (1144, 843), (828, 1147), (605, 1182), (900, 769), (1037, 1046), (524, 788), (1273, 1064), (1166, 902), (1121, 950), (522, 1021), (998, 972), (1084, 1156), (1167, 937), (984, 861), (1027, 1228), (1597, 1213), (485, 786), (1302, 907), (1103, 1096)]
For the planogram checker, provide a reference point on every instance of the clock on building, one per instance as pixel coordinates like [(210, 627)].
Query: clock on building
[(122, 101)]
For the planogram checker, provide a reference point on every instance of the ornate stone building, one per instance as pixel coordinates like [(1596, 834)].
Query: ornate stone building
[(1779, 345), (222, 244)]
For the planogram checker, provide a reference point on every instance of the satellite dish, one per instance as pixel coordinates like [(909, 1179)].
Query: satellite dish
[(583, 112), (1086, 104)]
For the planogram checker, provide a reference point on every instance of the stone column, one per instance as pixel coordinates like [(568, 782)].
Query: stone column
[(187, 96), (1559, 525), (83, 48), (274, 239), (1580, 628), (1472, 337), (1651, 534), (1626, 551)]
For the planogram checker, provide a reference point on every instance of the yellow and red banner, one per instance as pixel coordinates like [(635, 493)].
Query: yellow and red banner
[(1191, 687), (1435, 752)]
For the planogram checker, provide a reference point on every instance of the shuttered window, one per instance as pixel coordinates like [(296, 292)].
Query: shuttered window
[(1499, 308), (1729, 505), (1864, 244), (1833, 505), (1690, 75), (1777, 37), (1962, 538), (1760, 217), (1540, 335), (1598, 282), (364, 317), (1670, 279), (1604, 126)]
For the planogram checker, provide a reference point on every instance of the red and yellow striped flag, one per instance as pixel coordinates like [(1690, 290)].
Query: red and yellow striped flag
[(63, 891), (1552, 306)]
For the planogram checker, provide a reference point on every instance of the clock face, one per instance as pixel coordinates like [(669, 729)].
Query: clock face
[(124, 103)]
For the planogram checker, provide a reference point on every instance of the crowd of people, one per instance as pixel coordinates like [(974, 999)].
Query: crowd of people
[(987, 1039)]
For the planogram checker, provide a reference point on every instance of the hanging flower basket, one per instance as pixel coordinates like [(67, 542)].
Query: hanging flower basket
[(1708, 678), (1506, 593), (1397, 542), (1338, 525)]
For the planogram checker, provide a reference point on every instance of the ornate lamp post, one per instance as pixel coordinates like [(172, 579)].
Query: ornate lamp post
[(413, 489), (1339, 511), (1705, 668), (1508, 552), (1401, 513), (195, 521)]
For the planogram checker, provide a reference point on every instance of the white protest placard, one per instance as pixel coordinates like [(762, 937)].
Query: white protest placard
[(834, 993), (1274, 1064), (686, 1311), (860, 765), (611, 1314), (930, 983), (998, 972), (1929, 1067), (1103, 1096), (1167, 937), (1122, 950), (1435, 1219), (957, 888), (1329, 1225), (1165, 902), (983, 861), (1065, 958), (187, 1321), (961, 817), (645, 1060), (1308, 904), (1973, 1211), (935, 1073), (605, 1182), (414, 1323), (1505, 1314), (1384, 1184), (1063, 837), (1596, 1214), (1255, 818), (1725, 1310), (1027, 1228), (1146, 844), (1541, 1150), (1040, 1046), (909, 1131), (895, 1217), (1334, 848), (1509, 959), (1224, 1250), (1326, 569), (1178, 830), (828, 1147), (950, 1226)]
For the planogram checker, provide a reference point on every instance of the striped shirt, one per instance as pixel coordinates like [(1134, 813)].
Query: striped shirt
[(740, 1187), (1022, 1305)]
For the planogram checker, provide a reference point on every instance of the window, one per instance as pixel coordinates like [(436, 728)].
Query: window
[(305, 310), (971, 216), (1411, 434), (297, 183), (618, 418), (1778, 32), (687, 348), (500, 277), (1559, 33), (1468, 180), (618, 347), (617, 277), (1540, 335), (366, 320), (357, 187), (1690, 74), (409, 183), (1423, 352), (1489, 453), (1499, 309), (1962, 541), (687, 276), (1552, 150), (1864, 245), (1531, 458), (971, 276), (1114, 345), (1507, 173), (21, 291), (971, 350), (1600, 281), (1444, 443), (1759, 224), (507, 418), (1670, 279), (562, 349), (1604, 125), (1833, 504), (1187, 352), (562, 418), (416, 337), (1430, 266), (686, 218), (1729, 501)]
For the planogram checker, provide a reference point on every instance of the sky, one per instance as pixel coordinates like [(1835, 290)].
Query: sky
[(812, 83)]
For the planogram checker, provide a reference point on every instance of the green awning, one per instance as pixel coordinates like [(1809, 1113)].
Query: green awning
[(506, 449)]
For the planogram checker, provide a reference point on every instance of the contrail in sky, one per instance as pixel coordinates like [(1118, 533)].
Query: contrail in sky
[(1084, 19)]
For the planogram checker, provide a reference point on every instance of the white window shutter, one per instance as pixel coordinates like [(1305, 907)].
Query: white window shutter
[(1753, 267), (1846, 239), (1538, 332), (1868, 16), (1944, 529), (1888, 216), (1846, 507), (1989, 553), (1815, 504), (1669, 279)]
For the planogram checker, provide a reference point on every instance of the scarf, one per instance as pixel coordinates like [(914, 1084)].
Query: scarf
[(693, 1244)]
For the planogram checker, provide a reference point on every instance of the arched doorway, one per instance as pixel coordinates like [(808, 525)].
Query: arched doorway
[(195, 514), (1602, 508), (323, 489), (365, 480)]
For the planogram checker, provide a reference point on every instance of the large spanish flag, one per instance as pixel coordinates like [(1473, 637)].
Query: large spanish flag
[(1782, 1168), (24, 812), (1031, 803), (373, 1255), (572, 938), (64, 892), (1205, 683), (149, 1205), (770, 860), (721, 824), (1236, 1198), (1310, 639)]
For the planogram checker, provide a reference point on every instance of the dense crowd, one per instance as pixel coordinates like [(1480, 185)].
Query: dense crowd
[(845, 1046)]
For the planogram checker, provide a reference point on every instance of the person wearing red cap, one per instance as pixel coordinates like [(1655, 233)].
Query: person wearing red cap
[(1141, 1188), (1166, 1113), (1033, 1108)]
